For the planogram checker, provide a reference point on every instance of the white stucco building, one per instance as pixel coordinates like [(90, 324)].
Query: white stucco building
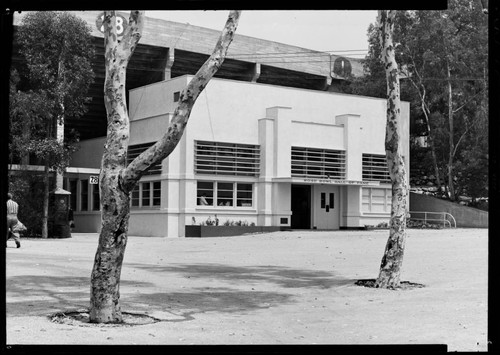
[(262, 154)]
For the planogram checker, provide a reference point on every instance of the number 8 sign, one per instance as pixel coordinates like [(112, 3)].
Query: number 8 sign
[(121, 23)]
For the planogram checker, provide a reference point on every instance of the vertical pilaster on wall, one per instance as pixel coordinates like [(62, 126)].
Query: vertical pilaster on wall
[(275, 144), (343, 206), (266, 143), (282, 157), (167, 72), (282, 139), (352, 145), (282, 200), (174, 198), (354, 167), (264, 188), (352, 213)]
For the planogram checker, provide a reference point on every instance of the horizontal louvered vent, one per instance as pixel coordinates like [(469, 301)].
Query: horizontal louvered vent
[(375, 168), (318, 163), (217, 158)]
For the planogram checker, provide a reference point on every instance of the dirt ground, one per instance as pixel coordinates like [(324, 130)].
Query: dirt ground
[(274, 288)]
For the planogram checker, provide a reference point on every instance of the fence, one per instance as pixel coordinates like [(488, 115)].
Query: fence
[(434, 217)]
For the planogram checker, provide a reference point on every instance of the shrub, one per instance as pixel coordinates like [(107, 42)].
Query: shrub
[(27, 190)]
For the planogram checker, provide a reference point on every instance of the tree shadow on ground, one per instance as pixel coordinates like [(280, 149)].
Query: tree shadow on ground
[(183, 305), (278, 275), (246, 288), (40, 295)]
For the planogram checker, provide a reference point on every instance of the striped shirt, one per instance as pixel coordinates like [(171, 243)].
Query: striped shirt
[(12, 207)]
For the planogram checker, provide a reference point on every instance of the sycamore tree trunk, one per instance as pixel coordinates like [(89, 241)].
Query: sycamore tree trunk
[(390, 268), (451, 185), (430, 139), (422, 93), (105, 279), (116, 179)]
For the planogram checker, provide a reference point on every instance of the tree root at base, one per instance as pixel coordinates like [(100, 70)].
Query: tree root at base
[(403, 285)]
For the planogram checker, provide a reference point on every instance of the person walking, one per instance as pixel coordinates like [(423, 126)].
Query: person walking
[(12, 209)]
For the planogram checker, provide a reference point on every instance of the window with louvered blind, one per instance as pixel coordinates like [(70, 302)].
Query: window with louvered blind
[(318, 163), (217, 158)]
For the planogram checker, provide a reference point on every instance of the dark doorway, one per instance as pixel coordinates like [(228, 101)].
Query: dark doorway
[(301, 207)]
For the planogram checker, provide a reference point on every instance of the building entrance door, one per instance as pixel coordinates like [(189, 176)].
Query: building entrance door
[(301, 207), (326, 207)]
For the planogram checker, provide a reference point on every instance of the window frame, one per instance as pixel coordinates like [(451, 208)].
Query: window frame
[(387, 200), (72, 187), (84, 196), (154, 202), (236, 201), (95, 193)]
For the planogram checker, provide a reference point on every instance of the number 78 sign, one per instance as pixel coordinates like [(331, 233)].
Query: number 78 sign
[(121, 23)]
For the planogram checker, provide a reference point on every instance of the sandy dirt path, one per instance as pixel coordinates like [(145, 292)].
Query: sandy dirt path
[(276, 288)]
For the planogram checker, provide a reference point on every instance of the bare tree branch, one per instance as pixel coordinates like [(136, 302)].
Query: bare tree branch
[(161, 149)]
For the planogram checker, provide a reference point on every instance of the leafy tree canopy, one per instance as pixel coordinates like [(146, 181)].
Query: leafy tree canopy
[(427, 44)]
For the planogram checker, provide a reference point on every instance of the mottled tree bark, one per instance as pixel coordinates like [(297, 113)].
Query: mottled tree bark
[(390, 268), (105, 281), (161, 149), (117, 180), (451, 134), (425, 109)]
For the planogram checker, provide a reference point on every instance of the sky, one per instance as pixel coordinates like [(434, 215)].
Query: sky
[(337, 32)]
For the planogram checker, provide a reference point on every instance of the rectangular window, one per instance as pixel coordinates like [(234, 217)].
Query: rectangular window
[(217, 158), (72, 188), (135, 150), (156, 193), (205, 193), (244, 195), (225, 194), (332, 201), (376, 200), (96, 203), (135, 196), (84, 195), (375, 168), (318, 163), (146, 194), (176, 96)]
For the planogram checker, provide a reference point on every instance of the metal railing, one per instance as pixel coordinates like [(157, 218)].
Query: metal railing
[(434, 217)]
